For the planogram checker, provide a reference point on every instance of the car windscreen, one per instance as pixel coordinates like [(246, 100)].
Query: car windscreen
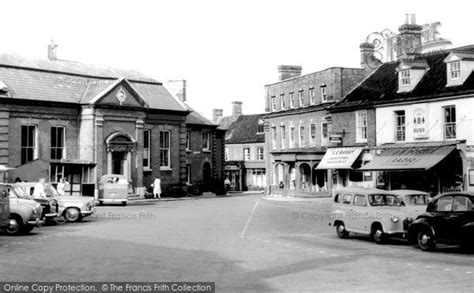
[(50, 191), (19, 192), (383, 200), (416, 199)]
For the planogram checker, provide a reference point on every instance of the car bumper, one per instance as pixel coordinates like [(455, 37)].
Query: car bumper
[(36, 223), (50, 215), (87, 213)]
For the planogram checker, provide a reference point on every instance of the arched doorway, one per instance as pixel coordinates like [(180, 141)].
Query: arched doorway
[(119, 154), (206, 176), (305, 175)]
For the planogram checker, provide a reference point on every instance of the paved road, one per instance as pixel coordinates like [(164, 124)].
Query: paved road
[(243, 243)]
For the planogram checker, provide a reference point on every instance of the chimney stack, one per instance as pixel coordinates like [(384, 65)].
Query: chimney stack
[(409, 38), (236, 108), (367, 57), (52, 52), (289, 71), (177, 88), (217, 114)]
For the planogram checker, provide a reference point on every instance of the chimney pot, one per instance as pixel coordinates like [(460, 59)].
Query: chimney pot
[(217, 114), (52, 54)]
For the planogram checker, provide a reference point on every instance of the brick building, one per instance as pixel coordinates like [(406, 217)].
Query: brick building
[(64, 119), (298, 124)]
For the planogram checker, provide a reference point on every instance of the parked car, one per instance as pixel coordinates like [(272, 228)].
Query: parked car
[(25, 214), (415, 201), (73, 208), (373, 212), (4, 207), (449, 219), (113, 188), (49, 205)]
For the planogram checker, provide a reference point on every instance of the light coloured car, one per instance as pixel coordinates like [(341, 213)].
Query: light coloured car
[(72, 208), (25, 214), (4, 207), (373, 212), (415, 201)]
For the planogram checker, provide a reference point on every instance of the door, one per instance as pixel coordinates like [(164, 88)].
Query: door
[(360, 214), (462, 214), (118, 162), (442, 221), (206, 176)]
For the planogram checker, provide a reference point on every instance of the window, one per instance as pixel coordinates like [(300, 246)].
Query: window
[(455, 70), (260, 153), (359, 200), (361, 126), (324, 94), (146, 148), (292, 137), (312, 134), (292, 100), (450, 122), (165, 149), (282, 101), (312, 97), (283, 136), (301, 98), (444, 204), (301, 140), (28, 143), (226, 154), (246, 154), (400, 125), (274, 136), (324, 133), (205, 140), (57, 143), (188, 174), (188, 140), (274, 103), (347, 198), (471, 177), (260, 127), (405, 77), (462, 204)]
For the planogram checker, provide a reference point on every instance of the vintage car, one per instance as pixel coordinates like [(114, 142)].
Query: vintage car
[(72, 208), (49, 205), (373, 212), (449, 219), (25, 214), (113, 188), (4, 207), (415, 201)]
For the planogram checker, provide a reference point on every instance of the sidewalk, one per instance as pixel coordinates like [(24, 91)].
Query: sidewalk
[(136, 199)]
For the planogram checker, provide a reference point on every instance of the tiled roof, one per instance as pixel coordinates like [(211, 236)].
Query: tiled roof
[(245, 130), (196, 118), (226, 121), (382, 85), (59, 81)]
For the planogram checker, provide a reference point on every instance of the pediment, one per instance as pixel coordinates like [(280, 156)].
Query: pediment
[(118, 93)]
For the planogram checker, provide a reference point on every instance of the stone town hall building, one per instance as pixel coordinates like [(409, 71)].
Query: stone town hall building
[(63, 119)]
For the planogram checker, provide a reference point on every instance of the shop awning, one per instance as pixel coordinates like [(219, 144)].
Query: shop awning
[(339, 158), (410, 158)]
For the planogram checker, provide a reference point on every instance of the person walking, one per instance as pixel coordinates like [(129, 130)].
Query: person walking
[(61, 186), (157, 188)]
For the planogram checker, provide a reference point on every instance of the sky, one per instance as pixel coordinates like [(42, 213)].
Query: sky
[(225, 50)]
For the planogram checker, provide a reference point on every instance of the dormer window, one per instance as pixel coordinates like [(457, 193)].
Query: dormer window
[(405, 77), (455, 70), (260, 128), (324, 94)]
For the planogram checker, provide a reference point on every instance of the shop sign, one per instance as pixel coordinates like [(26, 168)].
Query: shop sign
[(420, 123)]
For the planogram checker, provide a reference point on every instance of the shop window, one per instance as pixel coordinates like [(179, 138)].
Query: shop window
[(28, 143), (57, 143), (165, 149), (400, 125), (450, 122), (146, 149)]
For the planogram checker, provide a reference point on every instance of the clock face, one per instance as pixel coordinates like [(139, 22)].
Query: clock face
[(121, 95)]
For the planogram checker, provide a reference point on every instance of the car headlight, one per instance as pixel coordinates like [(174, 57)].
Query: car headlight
[(395, 219)]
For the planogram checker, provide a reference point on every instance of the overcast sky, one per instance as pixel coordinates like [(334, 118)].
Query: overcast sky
[(226, 50)]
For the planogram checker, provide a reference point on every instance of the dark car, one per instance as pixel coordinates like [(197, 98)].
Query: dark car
[(449, 219)]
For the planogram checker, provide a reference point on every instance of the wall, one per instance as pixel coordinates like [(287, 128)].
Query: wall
[(344, 123)]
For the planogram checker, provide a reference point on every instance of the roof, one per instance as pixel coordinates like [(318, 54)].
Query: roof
[(363, 191), (196, 118), (226, 121), (74, 82), (382, 85), (245, 130)]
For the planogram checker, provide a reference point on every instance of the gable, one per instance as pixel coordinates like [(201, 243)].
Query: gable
[(119, 94)]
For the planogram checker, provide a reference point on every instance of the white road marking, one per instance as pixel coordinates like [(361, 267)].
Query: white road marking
[(242, 234)]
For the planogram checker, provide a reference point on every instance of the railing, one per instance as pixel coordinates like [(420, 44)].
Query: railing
[(450, 130)]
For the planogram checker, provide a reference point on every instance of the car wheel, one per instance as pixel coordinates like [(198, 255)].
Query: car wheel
[(378, 235), (426, 240), (72, 215), (341, 231), (15, 226)]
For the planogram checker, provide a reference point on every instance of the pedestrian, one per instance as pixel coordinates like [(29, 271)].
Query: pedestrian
[(61, 186), (227, 184), (39, 189), (157, 188)]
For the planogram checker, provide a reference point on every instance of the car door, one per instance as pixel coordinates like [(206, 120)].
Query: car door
[(346, 208), (461, 215), (441, 220), (360, 213)]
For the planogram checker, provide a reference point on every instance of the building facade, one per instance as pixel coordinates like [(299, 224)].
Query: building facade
[(419, 134), (63, 119), (298, 124)]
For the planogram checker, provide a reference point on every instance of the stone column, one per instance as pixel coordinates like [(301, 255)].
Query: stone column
[(99, 149), (139, 125)]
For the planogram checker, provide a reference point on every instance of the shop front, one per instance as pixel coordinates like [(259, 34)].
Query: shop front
[(430, 167)]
